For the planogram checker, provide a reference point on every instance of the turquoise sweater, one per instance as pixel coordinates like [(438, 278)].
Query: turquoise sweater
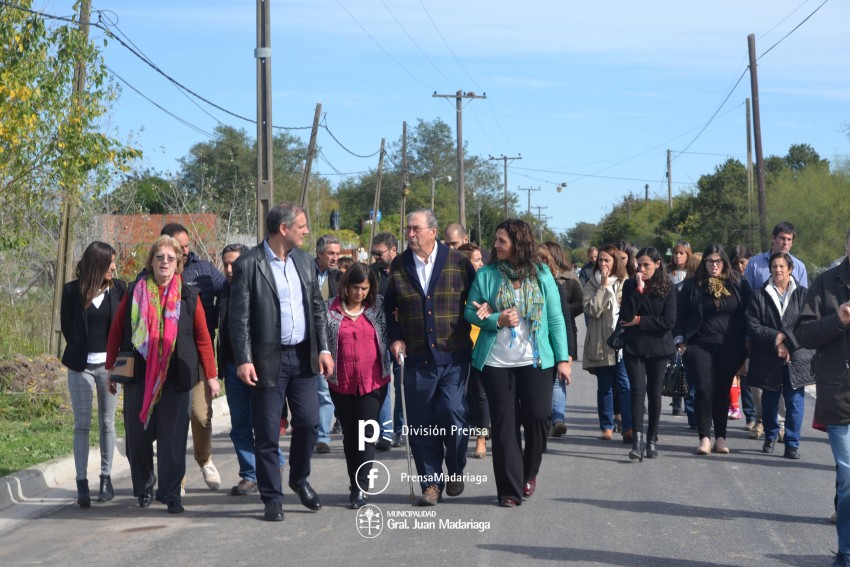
[(552, 336)]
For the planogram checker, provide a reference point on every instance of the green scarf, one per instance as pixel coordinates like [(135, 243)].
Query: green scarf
[(531, 304)]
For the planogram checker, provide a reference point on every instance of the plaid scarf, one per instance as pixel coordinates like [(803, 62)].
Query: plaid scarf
[(153, 321), (531, 302)]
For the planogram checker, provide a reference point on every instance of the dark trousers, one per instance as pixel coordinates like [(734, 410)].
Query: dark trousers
[(351, 409), (436, 411), (712, 368), (296, 384), (476, 399), (645, 378), (169, 427), (518, 397)]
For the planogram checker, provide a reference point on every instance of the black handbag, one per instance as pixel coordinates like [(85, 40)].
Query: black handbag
[(617, 340), (122, 372), (675, 381)]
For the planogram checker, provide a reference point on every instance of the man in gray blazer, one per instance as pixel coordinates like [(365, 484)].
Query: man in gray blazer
[(278, 330)]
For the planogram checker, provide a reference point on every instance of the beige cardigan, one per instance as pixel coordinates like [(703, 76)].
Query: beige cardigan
[(600, 322)]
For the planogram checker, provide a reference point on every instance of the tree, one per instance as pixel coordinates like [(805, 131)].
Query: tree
[(50, 143)]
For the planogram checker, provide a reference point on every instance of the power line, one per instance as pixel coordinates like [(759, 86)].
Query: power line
[(413, 41), (324, 125), (793, 30), (388, 54)]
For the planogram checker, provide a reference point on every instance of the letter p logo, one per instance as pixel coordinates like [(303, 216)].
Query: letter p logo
[(362, 438)]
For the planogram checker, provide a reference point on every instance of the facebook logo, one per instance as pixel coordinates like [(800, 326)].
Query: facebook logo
[(377, 477)]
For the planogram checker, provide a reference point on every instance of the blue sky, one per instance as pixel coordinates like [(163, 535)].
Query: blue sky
[(590, 93)]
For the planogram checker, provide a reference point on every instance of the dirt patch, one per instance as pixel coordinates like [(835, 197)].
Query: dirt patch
[(34, 375)]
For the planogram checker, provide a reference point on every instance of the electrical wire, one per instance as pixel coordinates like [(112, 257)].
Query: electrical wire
[(324, 125), (388, 54), (413, 41), (769, 49)]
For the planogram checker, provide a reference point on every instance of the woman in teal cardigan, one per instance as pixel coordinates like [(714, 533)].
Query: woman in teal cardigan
[(522, 337)]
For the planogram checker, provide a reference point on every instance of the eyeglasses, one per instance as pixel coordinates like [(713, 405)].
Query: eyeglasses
[(166, 259), (709, 262), (683, 243), (415, 229), (378, 253)]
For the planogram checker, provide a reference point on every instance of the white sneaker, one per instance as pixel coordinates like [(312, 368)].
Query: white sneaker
[(211, 476)]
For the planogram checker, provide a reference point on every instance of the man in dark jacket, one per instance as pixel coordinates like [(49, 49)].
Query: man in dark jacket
[(327, 256), (824, 325), (428, 284), (278, 330)]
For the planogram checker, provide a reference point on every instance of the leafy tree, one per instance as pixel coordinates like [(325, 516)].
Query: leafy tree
[(50, 143)]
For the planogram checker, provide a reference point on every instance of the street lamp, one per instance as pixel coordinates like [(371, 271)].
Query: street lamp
[(448, 178), (561, 187)]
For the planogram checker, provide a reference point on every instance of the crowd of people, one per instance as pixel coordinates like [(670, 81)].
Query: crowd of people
[(482, 346)]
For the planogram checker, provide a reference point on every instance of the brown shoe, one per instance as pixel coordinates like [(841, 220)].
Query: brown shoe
[(430, 496), (481, 448), (627, 436), (757, 432), (606, 434)]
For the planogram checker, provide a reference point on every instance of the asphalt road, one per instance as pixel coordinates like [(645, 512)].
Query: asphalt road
[(593, 506)]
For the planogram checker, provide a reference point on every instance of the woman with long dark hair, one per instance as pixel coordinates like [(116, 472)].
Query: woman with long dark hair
[(161, 322), (357, 336), (648, 312), (518, 345), (89, 304), (602, 296), (569, 288), (710, 331)]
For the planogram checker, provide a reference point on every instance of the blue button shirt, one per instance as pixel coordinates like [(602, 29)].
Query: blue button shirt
[(758, 271), (293, 321)]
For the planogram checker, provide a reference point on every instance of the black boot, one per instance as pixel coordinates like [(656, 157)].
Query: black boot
[(636, 454), (105, 493), (652, 449), (83, 494)]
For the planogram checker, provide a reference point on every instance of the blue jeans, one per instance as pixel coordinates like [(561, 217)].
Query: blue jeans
[(391, 416), (605, 377), (794, 408), (436, 412), (559, 401), (241, 431), (326, 410), (839, 441)]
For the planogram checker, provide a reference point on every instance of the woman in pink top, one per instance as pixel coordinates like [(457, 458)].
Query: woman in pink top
[(357, 336)]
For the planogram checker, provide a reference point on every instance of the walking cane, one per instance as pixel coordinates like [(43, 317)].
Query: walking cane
[(406, 424)]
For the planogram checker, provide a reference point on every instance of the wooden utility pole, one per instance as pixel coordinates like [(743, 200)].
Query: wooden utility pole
[(754, 87), (308, 164), (377, 194), (669, 181), (405, 187), (750, 177), (505, 159), (646, 194), (529, 191), (64, 251), (461, 199), (540, 219), (263, 55)]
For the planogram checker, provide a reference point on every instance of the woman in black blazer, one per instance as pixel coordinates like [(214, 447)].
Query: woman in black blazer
[(89, 304), (648, 312), (711, 325)]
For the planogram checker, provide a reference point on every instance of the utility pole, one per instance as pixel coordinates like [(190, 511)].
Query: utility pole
[(646, 194), (405, 186), (461, 200), (311, 151), (263, 55), (64, 250), (754, 87), (528, 190), (540, 219), (669, 181), (377, 194), (505, 159), (750, 176)]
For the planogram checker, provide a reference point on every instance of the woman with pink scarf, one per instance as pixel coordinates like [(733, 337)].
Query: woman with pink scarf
[(161, 323)]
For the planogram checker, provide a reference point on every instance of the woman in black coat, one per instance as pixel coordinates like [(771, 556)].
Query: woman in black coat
[(648, 312), (778, 365), (572, 299), (711, 325), (89, 304)]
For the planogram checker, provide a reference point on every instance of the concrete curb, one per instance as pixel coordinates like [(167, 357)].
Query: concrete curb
[(25, 486)]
